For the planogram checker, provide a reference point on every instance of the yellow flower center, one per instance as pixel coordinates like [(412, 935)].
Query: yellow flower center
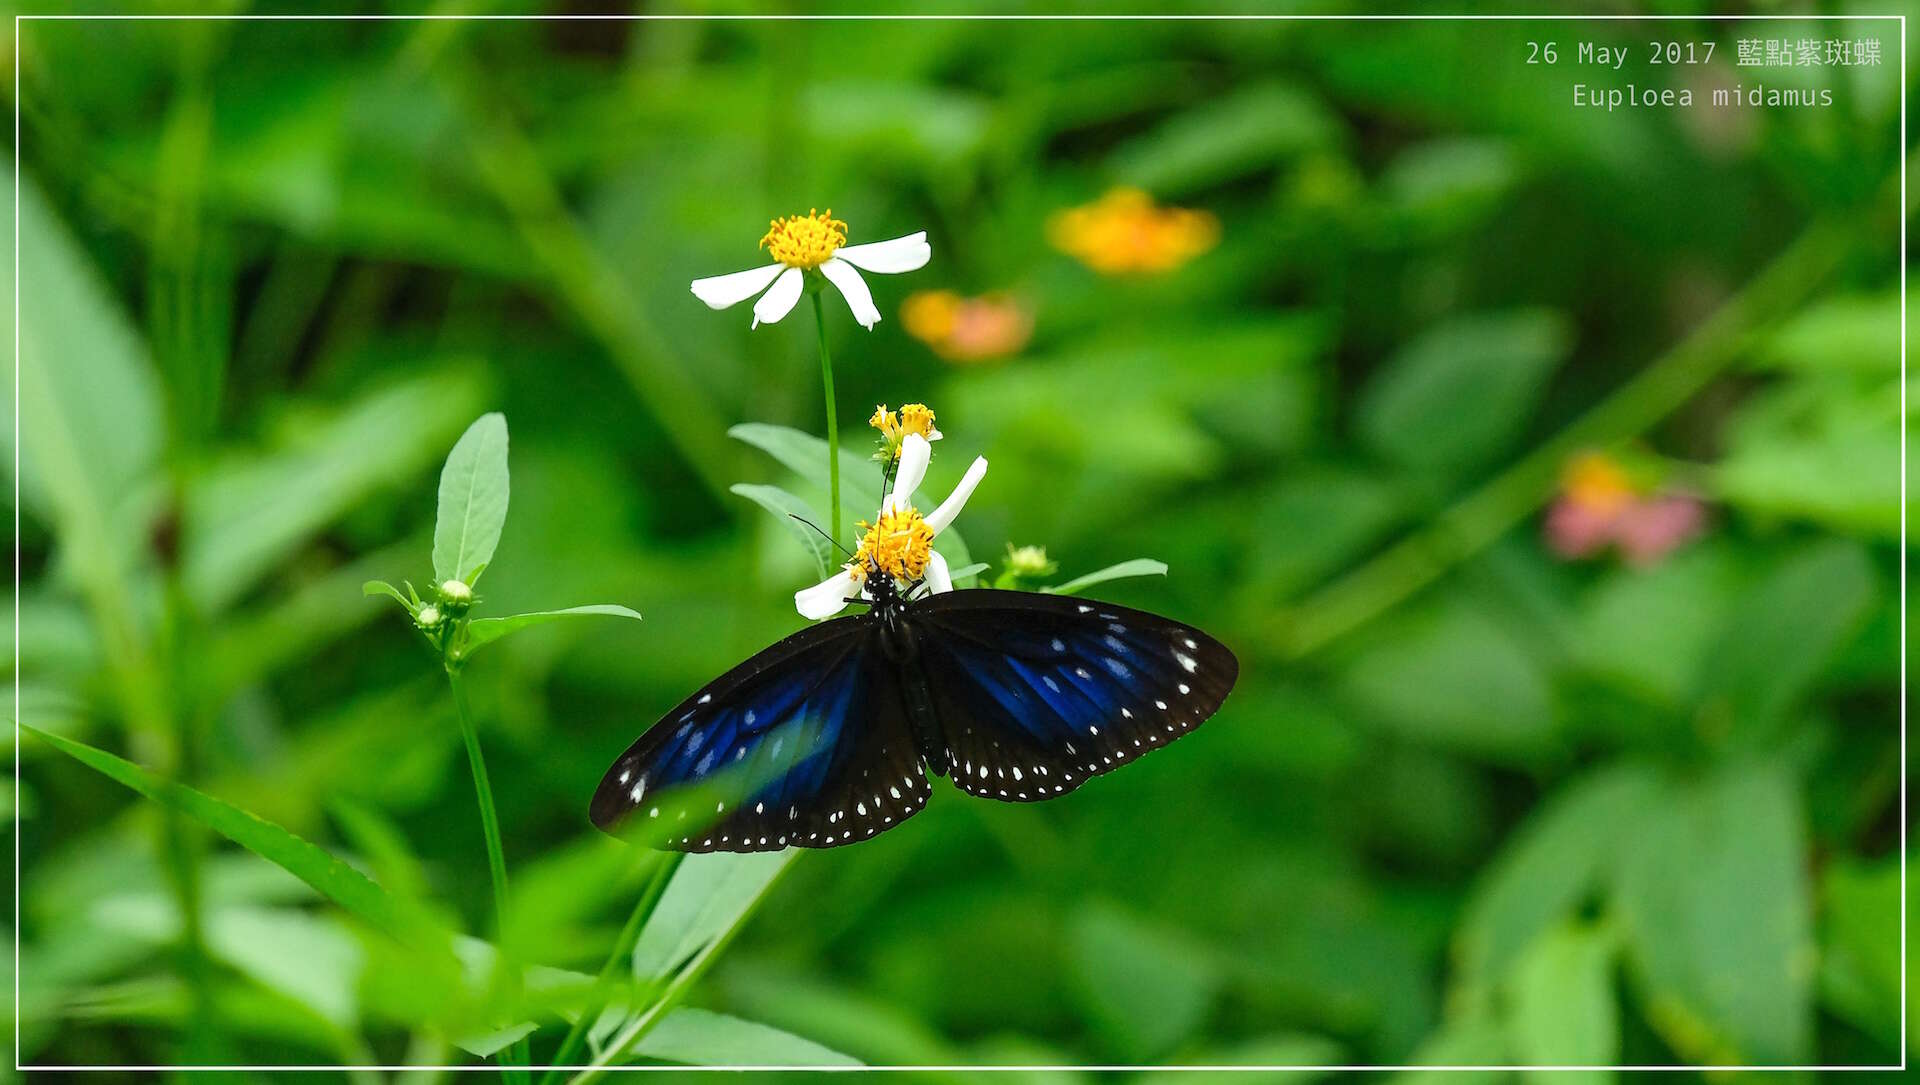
[(805, 241), (900, 546)]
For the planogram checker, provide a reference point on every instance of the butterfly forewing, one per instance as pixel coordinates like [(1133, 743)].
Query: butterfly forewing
[(1038, 693), (804, 745)]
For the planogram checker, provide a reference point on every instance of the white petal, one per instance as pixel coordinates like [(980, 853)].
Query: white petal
[(779, 301), (938, 578), (914, 454), (909, 253), (854, 289), (939, 518), (724, 290), (827, 598)]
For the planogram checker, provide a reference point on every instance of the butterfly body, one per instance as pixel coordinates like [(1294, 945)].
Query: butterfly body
[(828, 737)]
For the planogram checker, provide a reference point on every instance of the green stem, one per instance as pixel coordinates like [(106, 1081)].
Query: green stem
[(635, 1030), (490, 829), (622, 951), (833, 421)]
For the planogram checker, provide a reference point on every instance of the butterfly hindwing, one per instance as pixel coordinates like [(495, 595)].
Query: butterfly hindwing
[(804, 745), (1038, 693)]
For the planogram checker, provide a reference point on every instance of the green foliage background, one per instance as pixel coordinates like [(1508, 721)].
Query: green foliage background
[(1470, 803)]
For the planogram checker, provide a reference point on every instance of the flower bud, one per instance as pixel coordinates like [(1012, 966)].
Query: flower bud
[(428, 617), (456, 591), (1029, 561)]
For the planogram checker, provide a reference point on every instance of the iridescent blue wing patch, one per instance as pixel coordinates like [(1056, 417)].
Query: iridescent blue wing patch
[(804, 745), (1036, 694)]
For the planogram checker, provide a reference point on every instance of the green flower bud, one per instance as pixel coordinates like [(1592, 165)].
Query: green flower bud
[(1029, 561), (428, 617), (456, 591)]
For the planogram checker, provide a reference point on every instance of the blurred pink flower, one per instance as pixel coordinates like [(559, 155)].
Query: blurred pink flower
[(1599, 506), (1654, 527)]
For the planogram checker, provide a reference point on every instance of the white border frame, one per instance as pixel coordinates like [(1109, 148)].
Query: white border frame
[(497, 1068)]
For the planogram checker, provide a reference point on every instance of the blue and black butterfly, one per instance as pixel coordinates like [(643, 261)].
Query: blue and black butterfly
[(826, 738)]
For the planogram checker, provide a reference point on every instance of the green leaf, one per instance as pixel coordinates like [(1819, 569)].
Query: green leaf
[(1781, 635), (251, 510), (1713, 900), (966, 572), (702, 1038), (784, 507), (806, 456), (90, 403), (709, 895), (1553, 862), (1251, 130), (1121, 571), (1445, 186), (1285, 1049), (1466, 1041), (381, 587), (487, 630), (1859, 934), (1145, 987), (332, 878), (1853, 333), (1461, 392), (473, 500), (1562, 1008)]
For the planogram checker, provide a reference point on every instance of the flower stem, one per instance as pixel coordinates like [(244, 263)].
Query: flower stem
[(490, 829), (833, 422), (622, 950)]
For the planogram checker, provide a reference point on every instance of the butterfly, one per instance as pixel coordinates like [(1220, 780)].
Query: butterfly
[(827, 737)]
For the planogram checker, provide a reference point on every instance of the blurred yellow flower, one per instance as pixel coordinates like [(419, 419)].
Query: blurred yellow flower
[(1125, 232), (962, 329)]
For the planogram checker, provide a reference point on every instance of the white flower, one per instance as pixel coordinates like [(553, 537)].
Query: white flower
[(810, 242), (900, 544)]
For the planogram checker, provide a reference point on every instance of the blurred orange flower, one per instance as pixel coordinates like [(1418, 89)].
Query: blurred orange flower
[(962, 329), (1124, 232), (1599, 506)]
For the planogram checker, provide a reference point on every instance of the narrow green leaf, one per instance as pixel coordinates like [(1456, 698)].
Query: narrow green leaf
[(381, 587), (1125, 569), (473, 499), (784, 507), (709, 894), (487, 630), (967, 572), (702, 1038), (334, 879), (806, 456)]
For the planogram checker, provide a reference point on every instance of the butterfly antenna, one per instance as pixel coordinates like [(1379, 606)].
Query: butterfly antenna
[(822, 534)]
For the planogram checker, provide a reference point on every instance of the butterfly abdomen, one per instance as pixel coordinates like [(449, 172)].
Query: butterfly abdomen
[(927, 733)]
